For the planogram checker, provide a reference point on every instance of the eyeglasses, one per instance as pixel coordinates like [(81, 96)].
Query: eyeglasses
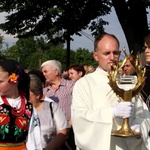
[(145, 47), (115, 53)]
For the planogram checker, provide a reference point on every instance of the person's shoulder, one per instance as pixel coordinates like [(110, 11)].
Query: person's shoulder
[(68, 82), (45, 88), (88, 76), (52, 105), (48, 99), (85, 79)]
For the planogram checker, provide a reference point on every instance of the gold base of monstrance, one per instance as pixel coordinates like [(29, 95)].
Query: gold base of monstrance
[(125, 131)]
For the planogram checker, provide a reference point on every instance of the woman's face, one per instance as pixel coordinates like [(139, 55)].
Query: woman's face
[(147, 52), (74, 75), (34, 98), (6, 88)]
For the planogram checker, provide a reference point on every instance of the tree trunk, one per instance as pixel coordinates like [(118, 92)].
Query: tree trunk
[(133, 19), (68, 50)]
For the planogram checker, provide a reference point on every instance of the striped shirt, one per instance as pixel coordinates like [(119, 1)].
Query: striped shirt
[(63, 95)]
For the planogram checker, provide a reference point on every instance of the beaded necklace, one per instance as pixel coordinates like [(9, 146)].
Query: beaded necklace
[(16, 111)]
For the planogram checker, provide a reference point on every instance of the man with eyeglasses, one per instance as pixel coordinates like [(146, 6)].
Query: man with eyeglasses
[(146, 89), (96, 110)]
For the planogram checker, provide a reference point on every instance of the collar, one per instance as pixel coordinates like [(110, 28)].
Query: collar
[(101, 71), (62, 83)]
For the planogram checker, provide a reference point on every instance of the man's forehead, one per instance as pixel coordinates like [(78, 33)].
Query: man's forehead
[(46, 67)]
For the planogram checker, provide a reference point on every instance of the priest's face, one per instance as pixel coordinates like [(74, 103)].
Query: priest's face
[(106, 53)]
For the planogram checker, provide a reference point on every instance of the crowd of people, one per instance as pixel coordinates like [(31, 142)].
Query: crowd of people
[(74, 109)]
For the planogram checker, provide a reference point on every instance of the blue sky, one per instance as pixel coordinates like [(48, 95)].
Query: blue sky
[(113, 28)]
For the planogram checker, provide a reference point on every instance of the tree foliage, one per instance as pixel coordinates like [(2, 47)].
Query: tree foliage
[(56, 19), (60, 19), (2, 51), (48, 17), (26, 52), (132, 15)]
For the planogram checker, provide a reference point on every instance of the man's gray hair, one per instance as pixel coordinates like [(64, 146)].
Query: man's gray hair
[(53, 64)]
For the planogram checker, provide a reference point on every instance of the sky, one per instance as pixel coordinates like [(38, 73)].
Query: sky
[(84, 42), (113, 28)]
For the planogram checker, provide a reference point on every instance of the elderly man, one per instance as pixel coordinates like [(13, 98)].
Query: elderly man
[(60, 90)]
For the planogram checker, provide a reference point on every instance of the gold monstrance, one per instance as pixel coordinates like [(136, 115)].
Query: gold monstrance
[(126, 95)]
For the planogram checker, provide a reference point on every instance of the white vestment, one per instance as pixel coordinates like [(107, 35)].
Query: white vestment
[(91, 114)]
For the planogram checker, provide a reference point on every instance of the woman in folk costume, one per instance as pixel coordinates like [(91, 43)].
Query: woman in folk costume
[(18, 119)]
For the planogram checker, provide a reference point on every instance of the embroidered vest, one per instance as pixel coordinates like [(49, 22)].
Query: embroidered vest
[(14, 128)]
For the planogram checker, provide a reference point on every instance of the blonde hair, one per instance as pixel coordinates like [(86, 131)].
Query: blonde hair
[(90, 69)]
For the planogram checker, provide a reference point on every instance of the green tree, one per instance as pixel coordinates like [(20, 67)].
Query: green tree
[(83, 56), (132, 15), (23, 51), (63, 18), (13, 53), (25, 48), (59, 20), (50, 17), (1, 41), (28, 51), (30, 56), (34, 18), (56, 52), (2, 51)]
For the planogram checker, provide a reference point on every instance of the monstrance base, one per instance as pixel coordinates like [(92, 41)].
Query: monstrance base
[(125, 134)]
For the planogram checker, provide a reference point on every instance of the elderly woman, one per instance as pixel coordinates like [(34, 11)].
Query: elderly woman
[(54, 126)]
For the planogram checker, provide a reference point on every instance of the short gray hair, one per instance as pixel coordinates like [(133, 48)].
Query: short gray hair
[(53, 64), (36, 85)]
